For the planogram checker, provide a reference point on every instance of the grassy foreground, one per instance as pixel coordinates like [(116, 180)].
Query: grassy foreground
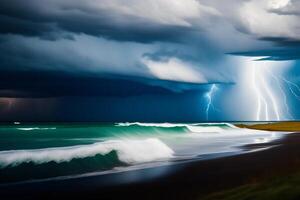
[(277, 187), (273, 126)]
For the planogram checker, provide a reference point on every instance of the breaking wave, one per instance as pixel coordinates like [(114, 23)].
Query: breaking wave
[(46, 151), (36, 128), (128, 151), (196, 128)]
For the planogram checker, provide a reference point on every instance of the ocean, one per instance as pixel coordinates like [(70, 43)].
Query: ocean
[(37, 152)]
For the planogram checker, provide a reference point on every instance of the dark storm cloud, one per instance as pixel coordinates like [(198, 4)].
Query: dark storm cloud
[(117, 37), (98, 55), (24, 27), (282, 41), (278, 54), (45, 19), (38, 84), (131, 20), (285, 49), (202, 31), (104, 36), (123, 59)]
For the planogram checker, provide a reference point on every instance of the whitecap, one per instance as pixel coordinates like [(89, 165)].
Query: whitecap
[(128, 151)]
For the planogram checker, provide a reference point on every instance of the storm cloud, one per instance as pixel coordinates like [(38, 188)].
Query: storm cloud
[(157, 39), (124, 49)]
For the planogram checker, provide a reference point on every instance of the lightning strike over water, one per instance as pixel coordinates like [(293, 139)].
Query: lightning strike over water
[(268, 108), (294, 89), (257, 93), (209, 96), (271, 96), (291, 87), (277, 80)]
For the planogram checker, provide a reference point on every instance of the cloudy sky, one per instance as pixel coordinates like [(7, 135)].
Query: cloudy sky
[(150, 60)]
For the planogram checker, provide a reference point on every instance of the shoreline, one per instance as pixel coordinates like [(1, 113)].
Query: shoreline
[(190, 180), (289, 126)]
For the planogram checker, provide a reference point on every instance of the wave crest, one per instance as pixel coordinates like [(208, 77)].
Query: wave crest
[(128, 151), (196, 128)]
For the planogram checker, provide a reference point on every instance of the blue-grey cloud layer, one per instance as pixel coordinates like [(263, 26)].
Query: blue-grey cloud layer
[(115, 48)]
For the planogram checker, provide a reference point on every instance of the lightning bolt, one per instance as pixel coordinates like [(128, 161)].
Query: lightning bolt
[(268, 91), (264, 94), (209, 96), (293, 88), (278, 79), (271, 96), (292, 85), (259, 95)]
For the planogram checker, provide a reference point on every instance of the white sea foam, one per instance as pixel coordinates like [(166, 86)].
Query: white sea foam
[(216, 124), (205, 126), (205, 129), (36, 128), (129, 151), (164, 125)]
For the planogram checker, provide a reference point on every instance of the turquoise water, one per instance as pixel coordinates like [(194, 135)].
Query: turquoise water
[(39, 151)]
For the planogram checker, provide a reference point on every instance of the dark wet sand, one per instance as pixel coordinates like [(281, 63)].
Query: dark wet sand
[(191, 180)]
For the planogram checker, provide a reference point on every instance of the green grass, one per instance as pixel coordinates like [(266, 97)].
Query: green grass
[(278, 188)]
